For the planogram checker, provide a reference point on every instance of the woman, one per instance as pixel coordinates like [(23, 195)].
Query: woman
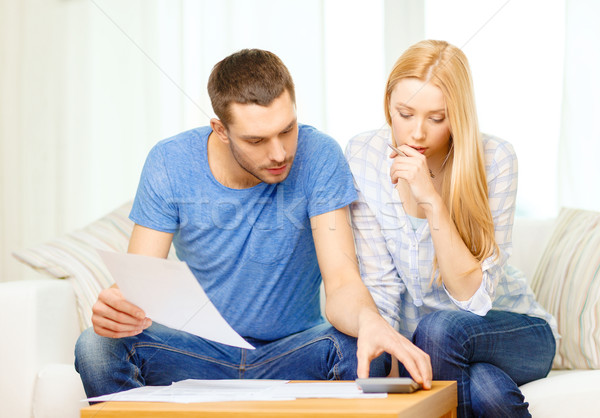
[(433, 227)]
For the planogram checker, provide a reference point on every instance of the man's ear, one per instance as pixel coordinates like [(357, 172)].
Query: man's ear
[(220, 129)]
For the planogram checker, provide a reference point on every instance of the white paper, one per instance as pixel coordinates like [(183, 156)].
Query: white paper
[(169, 294), (192, 390), (346, 390)]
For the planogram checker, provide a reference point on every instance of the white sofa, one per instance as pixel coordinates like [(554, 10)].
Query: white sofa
[(39, 326)]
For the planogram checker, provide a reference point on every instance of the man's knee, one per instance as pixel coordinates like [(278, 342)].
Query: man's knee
[(85, 347), (93, 351), (348, 364)]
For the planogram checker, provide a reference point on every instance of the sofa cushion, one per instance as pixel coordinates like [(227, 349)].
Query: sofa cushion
[(74, 257), (530, 237), (567, 284), (564, 394)]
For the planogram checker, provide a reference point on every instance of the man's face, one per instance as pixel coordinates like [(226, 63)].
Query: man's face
[(264, 139)]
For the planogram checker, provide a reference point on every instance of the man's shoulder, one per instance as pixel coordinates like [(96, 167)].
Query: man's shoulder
[(316, 148), (183, 141), (309, 136)]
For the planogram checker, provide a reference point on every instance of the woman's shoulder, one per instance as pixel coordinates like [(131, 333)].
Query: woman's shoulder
[(493, 145), (368, 146), (497, 151)]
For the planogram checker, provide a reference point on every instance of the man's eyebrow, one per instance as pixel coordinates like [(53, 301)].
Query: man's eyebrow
[(251, 137), (290, 125)]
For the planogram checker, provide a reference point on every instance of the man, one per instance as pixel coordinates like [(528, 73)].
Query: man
[(256, 205)]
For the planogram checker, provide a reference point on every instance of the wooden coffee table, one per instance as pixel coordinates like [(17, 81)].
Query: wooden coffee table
[(440, 401)]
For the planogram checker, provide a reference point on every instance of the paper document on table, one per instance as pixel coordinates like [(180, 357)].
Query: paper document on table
[(193, 390), (346, 390), (170, 294)]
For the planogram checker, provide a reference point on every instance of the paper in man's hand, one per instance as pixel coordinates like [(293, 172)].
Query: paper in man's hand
[(169, 294)]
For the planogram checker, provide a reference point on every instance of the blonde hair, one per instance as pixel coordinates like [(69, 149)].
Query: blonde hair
[(464, 187)]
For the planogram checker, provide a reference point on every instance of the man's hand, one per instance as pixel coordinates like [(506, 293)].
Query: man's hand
[(350, 307), (112, 315), (115, 317), (376, 336)]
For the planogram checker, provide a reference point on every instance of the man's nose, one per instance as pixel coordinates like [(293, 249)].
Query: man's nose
[(277, 151)]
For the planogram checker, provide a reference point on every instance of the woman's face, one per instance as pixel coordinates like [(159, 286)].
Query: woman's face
[(419, 119)]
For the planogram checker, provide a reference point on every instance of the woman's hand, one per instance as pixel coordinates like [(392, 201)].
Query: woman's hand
[(412, 167), (115, 317)]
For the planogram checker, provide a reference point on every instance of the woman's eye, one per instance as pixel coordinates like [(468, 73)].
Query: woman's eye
[(404, 115), (437, 120)]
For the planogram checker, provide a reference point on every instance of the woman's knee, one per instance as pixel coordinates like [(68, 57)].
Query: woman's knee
[(437, 328), (494, 393)]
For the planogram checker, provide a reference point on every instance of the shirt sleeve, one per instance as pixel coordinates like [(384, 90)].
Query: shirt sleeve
[(328, 182), (502, 181), (154, 205)]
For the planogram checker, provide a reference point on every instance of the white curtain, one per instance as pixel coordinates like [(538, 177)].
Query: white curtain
[(579, 151), (77, 113), (88, 86)]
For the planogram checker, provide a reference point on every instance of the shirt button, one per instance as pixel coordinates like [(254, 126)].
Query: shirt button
[(391, 244)]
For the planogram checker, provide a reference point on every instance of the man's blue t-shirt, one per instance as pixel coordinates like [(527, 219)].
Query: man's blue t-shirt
[(251, 249)]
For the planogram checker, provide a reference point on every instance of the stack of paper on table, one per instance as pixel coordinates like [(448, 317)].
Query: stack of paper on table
[(188, 391)]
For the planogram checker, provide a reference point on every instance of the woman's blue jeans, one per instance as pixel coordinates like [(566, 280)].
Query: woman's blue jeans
[(160, 355), (488, 356)]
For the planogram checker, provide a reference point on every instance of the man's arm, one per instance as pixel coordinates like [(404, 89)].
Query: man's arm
[(349, 305), (112, 315)]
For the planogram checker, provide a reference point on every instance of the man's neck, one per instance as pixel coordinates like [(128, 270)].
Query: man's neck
[(225, 168)]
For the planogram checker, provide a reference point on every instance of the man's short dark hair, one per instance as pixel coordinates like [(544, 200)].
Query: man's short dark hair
[(248, 76)]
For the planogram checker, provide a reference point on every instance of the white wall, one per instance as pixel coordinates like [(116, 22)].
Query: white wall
[(516, 52)]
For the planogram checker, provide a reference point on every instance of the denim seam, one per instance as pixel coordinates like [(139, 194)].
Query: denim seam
[(468, 340), (271, 359), (242, 366), (187, 353), (505, 331)]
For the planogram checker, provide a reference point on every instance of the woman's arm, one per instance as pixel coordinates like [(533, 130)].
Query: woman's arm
[(460, 270), (475, 290), (502, 173)]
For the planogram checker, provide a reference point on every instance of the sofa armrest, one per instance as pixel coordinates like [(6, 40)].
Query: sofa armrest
[(39, 325), (58, 392)]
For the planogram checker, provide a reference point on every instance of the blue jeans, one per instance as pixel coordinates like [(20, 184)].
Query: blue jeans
[(488, 356), (161, 355)]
